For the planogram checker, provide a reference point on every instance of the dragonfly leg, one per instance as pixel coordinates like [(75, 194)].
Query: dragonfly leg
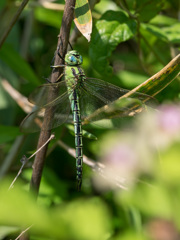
[(58, 48), (59, 78), (57, 52), (53, 58), (70, 45)]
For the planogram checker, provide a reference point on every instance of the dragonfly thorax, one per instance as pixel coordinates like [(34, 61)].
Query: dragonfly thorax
[(73, 58)]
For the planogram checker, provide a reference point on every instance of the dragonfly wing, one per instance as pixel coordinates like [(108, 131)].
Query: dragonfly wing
[(58, 109), (110, 91), (90, 102), (96, 93), (47, 94)]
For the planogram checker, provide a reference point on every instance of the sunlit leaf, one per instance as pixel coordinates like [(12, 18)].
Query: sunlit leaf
[(83, 18), (112, 29), (160, 80)]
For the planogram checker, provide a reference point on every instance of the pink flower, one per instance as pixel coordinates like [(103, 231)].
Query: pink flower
[(169, 119)]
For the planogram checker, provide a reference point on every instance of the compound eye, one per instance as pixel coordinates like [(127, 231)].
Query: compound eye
[(81, 59), (72, 59)]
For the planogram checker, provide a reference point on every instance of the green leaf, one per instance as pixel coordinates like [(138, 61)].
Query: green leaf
[(147, 9), (8, 133), (49, 17), (163, 20), (156, 31), (154, 201), (160, 80), (129, 235), (131, 79), (154, 38), (17, 63), (18, 208), (173, 33), (170, 167), (112, 29), (83, 18), (52, 189)]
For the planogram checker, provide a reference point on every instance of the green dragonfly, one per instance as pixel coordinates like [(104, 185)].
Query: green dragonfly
[(77, 94)]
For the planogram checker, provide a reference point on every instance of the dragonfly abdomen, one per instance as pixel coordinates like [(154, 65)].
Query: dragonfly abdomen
[(78, 136)]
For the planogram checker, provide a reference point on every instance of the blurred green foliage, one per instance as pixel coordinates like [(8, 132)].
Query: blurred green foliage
[(131, 41)]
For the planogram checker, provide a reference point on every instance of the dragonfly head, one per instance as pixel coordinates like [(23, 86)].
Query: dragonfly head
[(73, 58)]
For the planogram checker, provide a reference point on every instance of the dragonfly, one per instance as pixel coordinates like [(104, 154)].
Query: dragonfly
[(77, 94)]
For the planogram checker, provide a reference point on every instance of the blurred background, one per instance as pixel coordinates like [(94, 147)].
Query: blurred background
[(131, 184)]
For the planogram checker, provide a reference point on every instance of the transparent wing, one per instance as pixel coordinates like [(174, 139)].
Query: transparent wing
[(90, 101), (47, 94), (95, 93), (52, 99), (109, 91)]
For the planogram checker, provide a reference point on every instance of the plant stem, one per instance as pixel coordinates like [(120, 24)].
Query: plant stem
[(48, 118)]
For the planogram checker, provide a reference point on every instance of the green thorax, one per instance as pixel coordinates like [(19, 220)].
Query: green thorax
[(74, 74)]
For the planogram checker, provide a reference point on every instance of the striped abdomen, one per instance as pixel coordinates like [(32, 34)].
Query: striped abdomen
[(78, 136)]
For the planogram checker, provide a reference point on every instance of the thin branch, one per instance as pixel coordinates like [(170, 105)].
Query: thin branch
[(13, 21), (23, 232), (24, 160), (51, 137), (17, 96), (97, 167), (91, 163), (27, 107), (44, 135), (48, 5)]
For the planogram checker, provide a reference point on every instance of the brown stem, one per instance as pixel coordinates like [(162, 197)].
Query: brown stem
[(48, 118)]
